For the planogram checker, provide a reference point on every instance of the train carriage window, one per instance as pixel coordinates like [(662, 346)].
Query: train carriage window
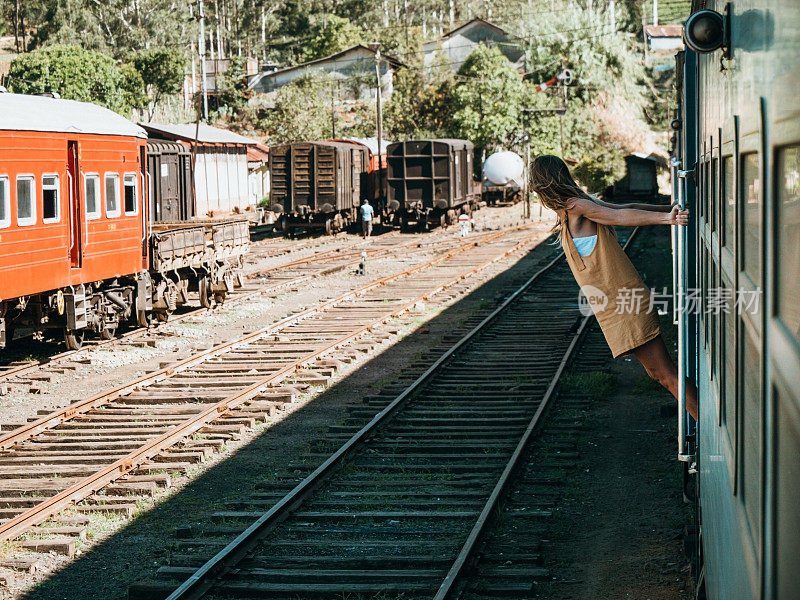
[(728, 203), (51, 199), (751, 227), (5, 203), (26, 200), (728, 345), (112, 195), (91, 186), (714, 194), (788, 238), (131, 197), (752, 419)]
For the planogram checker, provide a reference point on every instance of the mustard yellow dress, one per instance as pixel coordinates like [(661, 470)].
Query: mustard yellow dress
[(618, 296)]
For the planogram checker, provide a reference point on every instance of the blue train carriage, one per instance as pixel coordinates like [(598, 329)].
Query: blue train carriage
[(736, 163)]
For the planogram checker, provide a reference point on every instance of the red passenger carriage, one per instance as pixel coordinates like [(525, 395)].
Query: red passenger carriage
[(73, 228)]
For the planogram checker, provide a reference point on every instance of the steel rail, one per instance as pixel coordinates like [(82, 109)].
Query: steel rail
[(89, 485), (226, 559), (6, 373), (492, 502)]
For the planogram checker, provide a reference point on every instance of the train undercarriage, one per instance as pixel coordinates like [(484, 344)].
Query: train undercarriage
[(198, 259)]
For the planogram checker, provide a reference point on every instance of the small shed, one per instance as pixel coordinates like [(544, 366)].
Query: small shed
[(453, 48), (221, 178), (258, 172), (640, 179), (664, 38)]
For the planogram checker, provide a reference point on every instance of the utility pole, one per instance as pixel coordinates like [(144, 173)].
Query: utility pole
[(201, 46), (644, 33), (333, 111), (655, 12), (379, 111)]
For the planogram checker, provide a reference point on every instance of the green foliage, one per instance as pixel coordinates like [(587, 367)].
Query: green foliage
[(161, 70), (418, 107), (232, 91), (331, 34), (305, 97), (132, 85), (487, 99), (74, 73)]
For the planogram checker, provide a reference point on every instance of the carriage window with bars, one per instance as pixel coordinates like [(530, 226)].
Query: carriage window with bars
[(728, 203), (131, 200), (51, 212), (26, 200), (5, 203), (112, 195), (91, 186), (788, 238), (751, 213)]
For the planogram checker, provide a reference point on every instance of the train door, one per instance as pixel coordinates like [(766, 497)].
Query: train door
[(73, 174), (170, 196)]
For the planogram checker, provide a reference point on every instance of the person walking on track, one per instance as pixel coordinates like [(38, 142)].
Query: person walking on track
[(618, 296), (464, 222), (366, 218)]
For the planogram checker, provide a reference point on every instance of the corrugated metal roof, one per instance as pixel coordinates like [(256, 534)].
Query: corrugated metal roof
[(20, 112), (206, 133), (257, 153), (664, 30)]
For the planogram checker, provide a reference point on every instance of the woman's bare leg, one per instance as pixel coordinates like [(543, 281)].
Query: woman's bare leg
[(656, 361)]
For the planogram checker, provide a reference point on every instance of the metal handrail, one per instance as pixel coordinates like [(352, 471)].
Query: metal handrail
[(680, 242)]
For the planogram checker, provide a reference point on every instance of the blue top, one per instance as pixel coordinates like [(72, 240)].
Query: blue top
[(585, 245), (366, 212)]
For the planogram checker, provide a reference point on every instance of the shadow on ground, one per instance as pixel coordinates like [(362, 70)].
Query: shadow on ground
[(135, 551)]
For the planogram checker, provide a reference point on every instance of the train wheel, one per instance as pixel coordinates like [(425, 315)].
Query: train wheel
[(109, 331), (283, 223), (204, 289), (74, 339), (328, 227)]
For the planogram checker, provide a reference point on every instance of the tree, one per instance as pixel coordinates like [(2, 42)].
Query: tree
[(331, 34), (162, 71), (300, 113), (487, 99), (74, 73), (232, 92)]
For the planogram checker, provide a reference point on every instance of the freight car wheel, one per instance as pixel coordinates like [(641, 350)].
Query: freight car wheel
[(204, 289), (328, 227), (74, 339), (109, 331)]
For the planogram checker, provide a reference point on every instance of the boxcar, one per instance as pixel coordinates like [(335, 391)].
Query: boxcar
[(169, 169), (430, 180), (737, 157), (73, 227), (317, 184)]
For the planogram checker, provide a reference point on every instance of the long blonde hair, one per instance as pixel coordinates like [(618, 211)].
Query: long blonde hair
[(554, 184)]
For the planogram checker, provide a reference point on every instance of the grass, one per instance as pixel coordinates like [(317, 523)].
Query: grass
[(597, 385)]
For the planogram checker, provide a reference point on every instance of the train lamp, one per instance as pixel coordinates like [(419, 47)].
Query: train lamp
[(707, 30)]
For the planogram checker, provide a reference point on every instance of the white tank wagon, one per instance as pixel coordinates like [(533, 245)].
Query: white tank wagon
[(503, 178)]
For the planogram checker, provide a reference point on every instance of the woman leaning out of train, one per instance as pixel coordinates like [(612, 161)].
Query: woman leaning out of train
[(619, 298)]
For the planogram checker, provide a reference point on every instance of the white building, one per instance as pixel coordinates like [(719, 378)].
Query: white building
[(353, 69), (453, 47)]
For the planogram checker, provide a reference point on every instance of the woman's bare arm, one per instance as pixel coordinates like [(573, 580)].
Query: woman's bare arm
[(665, 208), (626, 216)]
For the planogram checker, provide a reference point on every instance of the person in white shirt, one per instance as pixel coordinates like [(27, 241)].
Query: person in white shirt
[(366, 218)]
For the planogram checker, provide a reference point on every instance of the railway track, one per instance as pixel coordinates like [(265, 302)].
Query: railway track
[(270, 281), (400, 506), (127, 441)]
